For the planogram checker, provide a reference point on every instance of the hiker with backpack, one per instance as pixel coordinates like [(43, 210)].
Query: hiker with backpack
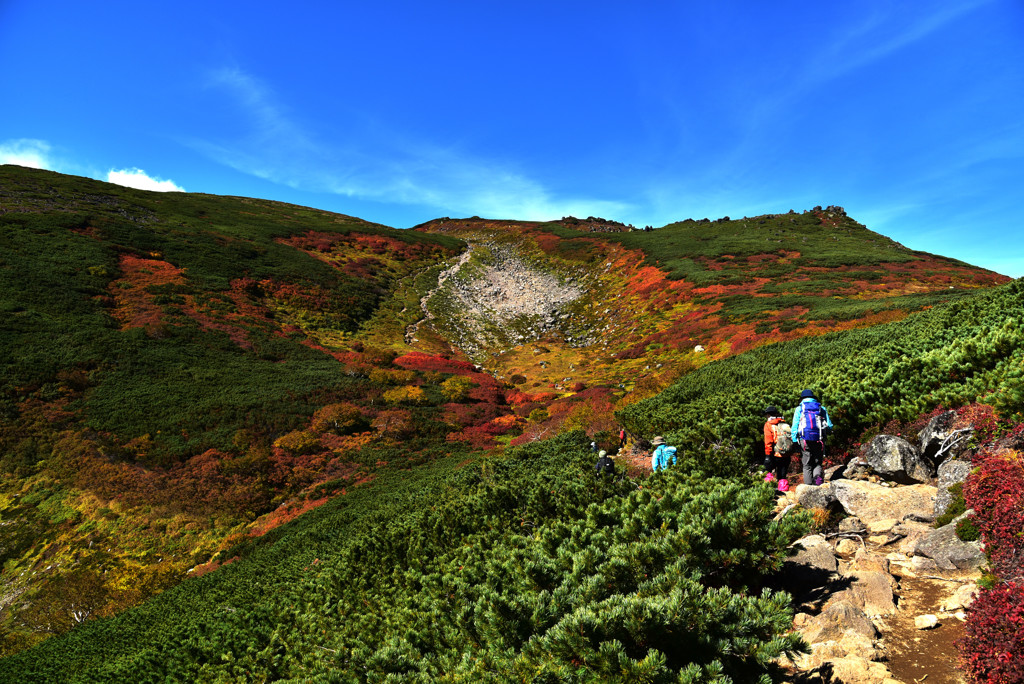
[(662, 454), (811, 425), (778, 446), (604, 464)]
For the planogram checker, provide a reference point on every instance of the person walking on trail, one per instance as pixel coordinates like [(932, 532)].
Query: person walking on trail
[(810, 426), (622, 437), (778, 446), (663, 454), (604, 463)]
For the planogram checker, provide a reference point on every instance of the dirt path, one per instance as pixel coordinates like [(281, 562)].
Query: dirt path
[(916, 655)]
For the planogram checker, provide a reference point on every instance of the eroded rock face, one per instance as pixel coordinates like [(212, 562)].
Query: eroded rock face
[(896, 459), (809, 573), (873, 502), (854, 670), (872, 592)]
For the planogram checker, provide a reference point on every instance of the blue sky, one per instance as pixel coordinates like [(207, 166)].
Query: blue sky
[(910, 115)]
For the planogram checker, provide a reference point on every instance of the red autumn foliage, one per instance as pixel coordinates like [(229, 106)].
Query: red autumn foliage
[(992, 652), (482, 436), (431, 362), (466, 415), (134, 304), (995, 490)]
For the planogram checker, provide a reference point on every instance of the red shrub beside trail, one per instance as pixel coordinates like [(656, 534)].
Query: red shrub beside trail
[(992, 652), (996, 493)]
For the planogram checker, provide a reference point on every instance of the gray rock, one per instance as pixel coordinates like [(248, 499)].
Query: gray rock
[(896, 459), (811, 496), (951, 471), (948, 552), (930, 438), (871, 502), (852, 524), (857, 469), (834, 473)]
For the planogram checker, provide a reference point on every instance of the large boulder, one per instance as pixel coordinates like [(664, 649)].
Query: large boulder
[(911, 532), (939, 433), (836, 620), (948, 552), (811, 496), (873, 502), (896, 459), (950, 472), (871, 591), (810, 572), (931, 437)]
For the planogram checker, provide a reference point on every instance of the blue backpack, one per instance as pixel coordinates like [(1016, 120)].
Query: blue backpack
[(662, 455), (810, 428)]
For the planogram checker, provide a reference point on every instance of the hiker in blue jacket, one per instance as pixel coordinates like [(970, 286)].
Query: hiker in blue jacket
[(662, 454), (810, 425)]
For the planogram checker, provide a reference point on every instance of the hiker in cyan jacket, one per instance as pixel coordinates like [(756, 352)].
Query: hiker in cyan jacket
[(663, 454), (810, 425)]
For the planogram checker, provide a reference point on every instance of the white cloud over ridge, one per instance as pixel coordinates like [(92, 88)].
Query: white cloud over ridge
[(35, 154), (140, 180)]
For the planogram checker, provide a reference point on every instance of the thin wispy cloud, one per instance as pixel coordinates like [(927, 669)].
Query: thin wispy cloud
[(140, 180), (35, 154), (880, 36), (376, 164)]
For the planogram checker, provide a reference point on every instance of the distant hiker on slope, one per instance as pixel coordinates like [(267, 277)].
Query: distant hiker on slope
[(662, 454), (778, 445), (810, 426)]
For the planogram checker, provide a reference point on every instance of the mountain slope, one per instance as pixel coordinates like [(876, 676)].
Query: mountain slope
[(651, 297), (528, 567), (184, 374)]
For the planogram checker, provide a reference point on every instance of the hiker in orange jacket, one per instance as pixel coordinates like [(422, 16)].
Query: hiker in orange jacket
[(777, 464)]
